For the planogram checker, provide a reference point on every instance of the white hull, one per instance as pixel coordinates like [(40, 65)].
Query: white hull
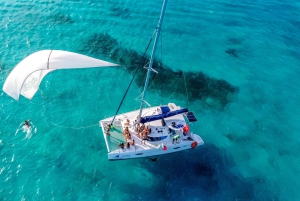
[(147, 148), (149, 131), (133, 153)]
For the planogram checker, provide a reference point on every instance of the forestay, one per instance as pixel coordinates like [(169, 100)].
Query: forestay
[(26, 77)]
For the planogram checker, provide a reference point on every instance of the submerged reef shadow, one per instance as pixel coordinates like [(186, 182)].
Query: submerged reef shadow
[(215, 93), (203, 173), (1, 66), (233, 41), (60, 18), (232, 52), (118, 11)]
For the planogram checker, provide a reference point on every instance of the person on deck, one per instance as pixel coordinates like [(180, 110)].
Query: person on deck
[(108, 127), (125, 130), (121, 145), (145, 134), (132, 143), (127, 145), (175, 138), (135, 123), (126, 134), (138, 130), (127, 122), (142, 127), (144, 138)]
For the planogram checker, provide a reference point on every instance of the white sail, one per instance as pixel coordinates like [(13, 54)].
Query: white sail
[(26, 77)]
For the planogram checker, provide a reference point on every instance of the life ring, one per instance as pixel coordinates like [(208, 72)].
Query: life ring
[(194, 144), (186, 129)]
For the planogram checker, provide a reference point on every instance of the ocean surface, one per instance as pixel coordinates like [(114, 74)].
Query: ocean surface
[(248, 114)]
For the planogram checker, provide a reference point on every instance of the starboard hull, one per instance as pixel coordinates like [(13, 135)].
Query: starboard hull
[(123, 154), (160, 140)]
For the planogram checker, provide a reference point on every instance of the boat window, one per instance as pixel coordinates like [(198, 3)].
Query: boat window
[(157, 138)]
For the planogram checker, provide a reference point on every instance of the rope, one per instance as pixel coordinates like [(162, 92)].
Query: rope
[(134, 82), (137, 68), (152, 84), (65, 126), (161, 59), (161, 45), (187, 96), (73, 127), (213, 151)]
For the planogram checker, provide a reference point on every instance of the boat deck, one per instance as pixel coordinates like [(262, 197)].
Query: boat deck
[(160, 140), (116, 137)]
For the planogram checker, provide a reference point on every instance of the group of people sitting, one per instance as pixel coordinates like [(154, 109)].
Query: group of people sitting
[(127, 123), (126, 134), (142, 131), (108, 127), (127, 137), (128, 143)]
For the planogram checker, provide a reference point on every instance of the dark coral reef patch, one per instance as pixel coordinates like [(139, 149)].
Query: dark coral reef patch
[(232, 52), (199, 85)]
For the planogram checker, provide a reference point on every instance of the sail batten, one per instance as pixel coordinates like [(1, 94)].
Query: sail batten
[(26, 77)]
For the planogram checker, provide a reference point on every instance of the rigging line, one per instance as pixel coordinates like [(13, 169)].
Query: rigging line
[(213, 151), (64, 126), (172, 93), (134, 82), (137, 68), (161, 59), (161, 92), (74, 127), (187, 96), (152, 84), (161, 30)]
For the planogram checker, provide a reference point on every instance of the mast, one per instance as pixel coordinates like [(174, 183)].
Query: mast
[(152, 56)]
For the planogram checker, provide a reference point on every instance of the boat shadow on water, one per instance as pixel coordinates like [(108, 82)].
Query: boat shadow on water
[(206, 174), (215, 93)]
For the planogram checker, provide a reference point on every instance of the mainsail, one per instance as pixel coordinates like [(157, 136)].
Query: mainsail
[(26, 77)]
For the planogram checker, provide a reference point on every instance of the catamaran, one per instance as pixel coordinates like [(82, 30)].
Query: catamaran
[(152, 131), (146, 132)]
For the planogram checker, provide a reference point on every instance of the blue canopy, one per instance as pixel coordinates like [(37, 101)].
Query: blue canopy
[(161, 116)]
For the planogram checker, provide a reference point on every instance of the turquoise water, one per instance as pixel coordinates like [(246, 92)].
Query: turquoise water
[(251, 141)]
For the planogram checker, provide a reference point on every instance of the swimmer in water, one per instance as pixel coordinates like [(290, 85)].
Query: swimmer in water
[(27, 123)]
